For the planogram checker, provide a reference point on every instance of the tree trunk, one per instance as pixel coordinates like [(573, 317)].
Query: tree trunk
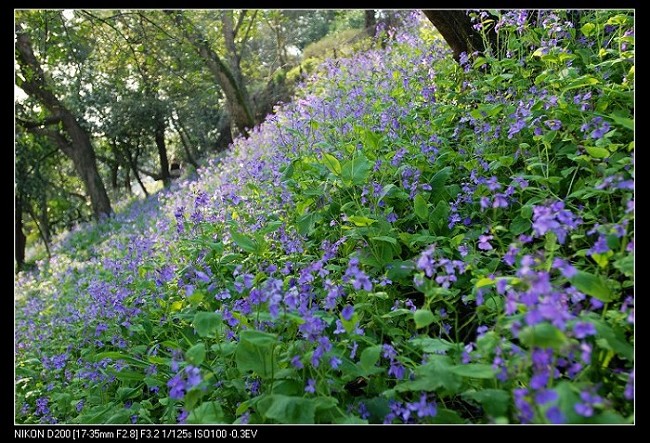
[(41, 231), (133, 162), (237, 98), (20, 235), (80, 149), (225, 136), (162, 150), (370, 22), (185, 141), (456, 28), (44, 219)]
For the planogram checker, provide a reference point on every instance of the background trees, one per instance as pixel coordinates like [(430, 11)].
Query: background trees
[(107, 100)]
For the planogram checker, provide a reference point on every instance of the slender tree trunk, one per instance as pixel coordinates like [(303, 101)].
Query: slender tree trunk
[(225, 136), (134, 167), (20, 238), (185, 141), (162, 150), (456, 28), (80, 149), (127, 182), (114, 170), (44, 219), (41, 231), (237, 99), (370, 22)]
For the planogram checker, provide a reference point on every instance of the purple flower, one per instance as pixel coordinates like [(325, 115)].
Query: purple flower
[(629, 387), (193, 376), (484, 242), (545, 396), (584, 329), (311, 386), (335, 362), (423, 407), (555, 416), (182, 416), (426, 262), (554, 218), (176, 387), (389, 351), (584, 409), (296, 363), (600, 247), (500, 201), (41, 406), (539, 380), (359, 279), (553, 125), (565, 268), (396, 369), (347, 312)]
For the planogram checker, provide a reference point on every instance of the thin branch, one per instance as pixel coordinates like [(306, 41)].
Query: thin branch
[(28, 124), (240, 20), (248, 30)]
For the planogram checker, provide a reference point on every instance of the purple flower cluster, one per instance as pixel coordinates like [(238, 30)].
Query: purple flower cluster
[(406, 412), (444, 269), (554, 218), (184, 381)]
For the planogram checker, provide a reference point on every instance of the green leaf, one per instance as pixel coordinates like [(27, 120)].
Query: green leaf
[(369, 357), (592, 285), (196, 354), (485, 281), (385, 239), (332, 164), (244, 242), (192, 397), (207, 413), (255, 353), (543, 335), (356, 171), (206, 323), (423, 318), (474, 370), (627, 123), (398, 269), (625, 265), (289, 410), (580, 82), (270, 227), (480, 61), (305, 223), (447, 416), (359, 220), (587, 29), (494, 401), (420, 207), (440, 178), (121, 416), (597, 152), (613, 339), (432, 376), (519, 225), (433, 345), (440, 214)]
